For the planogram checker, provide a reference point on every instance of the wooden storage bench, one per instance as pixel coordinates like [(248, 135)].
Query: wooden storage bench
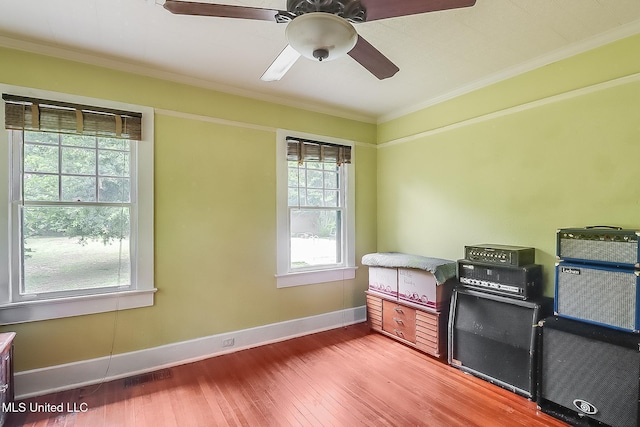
[(408, 299), (424, 329)]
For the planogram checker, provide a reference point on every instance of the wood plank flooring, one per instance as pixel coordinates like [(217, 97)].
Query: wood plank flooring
[(343, 377)]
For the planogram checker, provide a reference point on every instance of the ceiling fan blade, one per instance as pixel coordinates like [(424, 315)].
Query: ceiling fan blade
[(220, 10), (281, 64), (381, 9), (371, 59)]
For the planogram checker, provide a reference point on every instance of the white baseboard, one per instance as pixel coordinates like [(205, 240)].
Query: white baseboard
[(52, 379)]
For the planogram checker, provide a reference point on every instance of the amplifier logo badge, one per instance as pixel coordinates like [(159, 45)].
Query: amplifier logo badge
[(585, 407), (570, 270)]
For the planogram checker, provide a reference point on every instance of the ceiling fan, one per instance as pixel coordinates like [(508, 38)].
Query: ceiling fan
[(322, 30)]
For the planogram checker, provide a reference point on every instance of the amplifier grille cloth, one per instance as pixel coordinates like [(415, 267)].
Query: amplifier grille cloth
[(605, 375), (602, 296), (614, 252)]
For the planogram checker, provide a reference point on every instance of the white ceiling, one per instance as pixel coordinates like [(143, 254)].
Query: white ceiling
[(440, 54)]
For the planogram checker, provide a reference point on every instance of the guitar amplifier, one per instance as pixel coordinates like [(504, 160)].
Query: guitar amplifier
[(600, 245), (598, 294), (516, 282), (515, 256)]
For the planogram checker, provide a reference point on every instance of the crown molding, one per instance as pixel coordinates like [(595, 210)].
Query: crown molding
[(147, 71), (599, 40), (632, 78)]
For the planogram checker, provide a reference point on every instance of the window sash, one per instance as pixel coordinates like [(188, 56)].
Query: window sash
[(98, 193), (330, 193), (19, 292), (30, 285), (340, 242), (302, 185)]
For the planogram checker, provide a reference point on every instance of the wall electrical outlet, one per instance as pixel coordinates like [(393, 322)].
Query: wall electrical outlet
[(228, 342)]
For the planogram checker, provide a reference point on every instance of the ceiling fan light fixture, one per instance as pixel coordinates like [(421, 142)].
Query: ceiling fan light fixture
[(321, 36), (321, 54)]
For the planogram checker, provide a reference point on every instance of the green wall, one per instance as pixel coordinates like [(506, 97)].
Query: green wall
[(513, 162), (215, 215), (509, 163)]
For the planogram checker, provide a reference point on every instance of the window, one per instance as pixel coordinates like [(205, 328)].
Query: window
[(315, 210), (81, 208)]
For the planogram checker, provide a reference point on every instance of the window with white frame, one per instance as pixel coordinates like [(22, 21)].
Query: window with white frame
[(81, 233), (315, 210)]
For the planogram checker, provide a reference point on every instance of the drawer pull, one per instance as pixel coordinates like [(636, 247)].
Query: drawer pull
[(398, 333), (3, 388), (398, 320), (398, 310)]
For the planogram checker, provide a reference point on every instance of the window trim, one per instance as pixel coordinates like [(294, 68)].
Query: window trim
[(285, 277), (13, 311)]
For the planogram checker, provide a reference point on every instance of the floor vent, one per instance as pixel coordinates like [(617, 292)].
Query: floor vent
[(162, 374)]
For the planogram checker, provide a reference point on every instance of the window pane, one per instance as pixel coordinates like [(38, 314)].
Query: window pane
[(113, 143), (40, 188), (40, 158), (79, 140), (78, 188), (42, 137), (293, 175), (302, 200), (293, 197), (113, 190), (315, 237), (314, 198), (72, 248), (79, 161), (331, 179), (314, 178), (331, 199), (113, 163)]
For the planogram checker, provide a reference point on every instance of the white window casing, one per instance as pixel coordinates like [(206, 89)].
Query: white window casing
[(17, 309), (286, 276)]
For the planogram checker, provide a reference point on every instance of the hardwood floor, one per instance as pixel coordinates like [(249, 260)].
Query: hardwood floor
[(344, 377)]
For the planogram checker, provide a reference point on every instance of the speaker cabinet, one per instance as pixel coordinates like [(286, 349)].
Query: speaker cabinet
[(588, 375), (493, 337), (602, 295)]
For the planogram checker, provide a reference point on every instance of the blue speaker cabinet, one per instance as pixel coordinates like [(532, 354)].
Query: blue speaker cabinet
[(598, 294)]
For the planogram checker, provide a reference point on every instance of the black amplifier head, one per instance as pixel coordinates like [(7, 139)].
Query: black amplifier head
[(523, 282)]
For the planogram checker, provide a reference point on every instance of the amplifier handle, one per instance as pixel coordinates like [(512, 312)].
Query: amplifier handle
[(604, 226)]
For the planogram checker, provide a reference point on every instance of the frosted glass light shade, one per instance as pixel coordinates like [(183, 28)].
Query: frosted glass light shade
[(323, 34)]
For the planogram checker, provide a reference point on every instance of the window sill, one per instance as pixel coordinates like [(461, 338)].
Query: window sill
[(313, 277), (31, 311)]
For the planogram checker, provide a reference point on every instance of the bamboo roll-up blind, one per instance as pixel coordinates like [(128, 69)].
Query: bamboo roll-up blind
[(304, 150), (22, 113)]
